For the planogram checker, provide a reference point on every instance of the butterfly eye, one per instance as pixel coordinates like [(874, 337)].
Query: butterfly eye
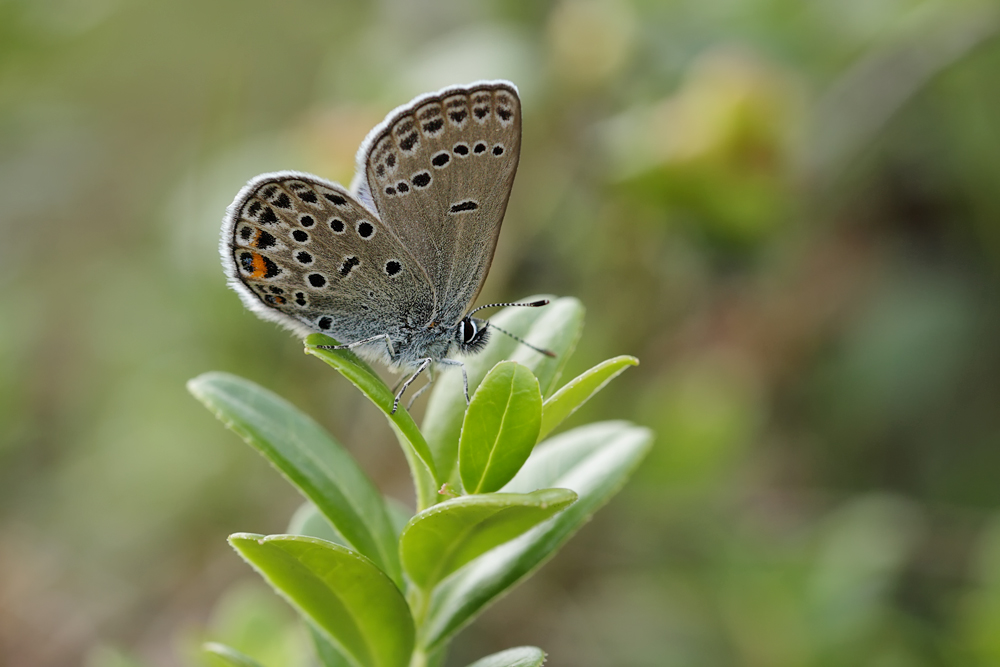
[(467, 330)]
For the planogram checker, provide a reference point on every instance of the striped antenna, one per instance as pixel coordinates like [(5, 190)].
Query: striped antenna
[(547, 353), (533, 304)]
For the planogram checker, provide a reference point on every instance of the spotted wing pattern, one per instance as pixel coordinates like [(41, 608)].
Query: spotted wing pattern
[(303, 252), (439, 171)]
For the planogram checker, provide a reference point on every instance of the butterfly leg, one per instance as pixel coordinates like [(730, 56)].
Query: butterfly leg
[(373, 339), (430, 381), (420, 369), (465, 377)]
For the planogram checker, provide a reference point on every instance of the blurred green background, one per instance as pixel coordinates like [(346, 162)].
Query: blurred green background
[(789, 211)]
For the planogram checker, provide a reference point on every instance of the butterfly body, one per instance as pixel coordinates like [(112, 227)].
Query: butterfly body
[(390, 267)]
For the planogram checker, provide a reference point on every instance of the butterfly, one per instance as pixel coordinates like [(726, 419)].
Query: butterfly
[(391, 266)]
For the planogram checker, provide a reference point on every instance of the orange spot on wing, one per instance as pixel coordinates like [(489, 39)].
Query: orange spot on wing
[(259, 268)]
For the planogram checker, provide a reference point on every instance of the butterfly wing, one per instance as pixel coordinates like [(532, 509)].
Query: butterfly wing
[(439, 171), (301, 251)]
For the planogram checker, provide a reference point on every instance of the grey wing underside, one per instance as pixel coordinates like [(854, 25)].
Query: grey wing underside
[(303, 252), (439, 172)]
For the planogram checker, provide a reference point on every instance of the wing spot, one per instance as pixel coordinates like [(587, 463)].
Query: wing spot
[(308, 196), (273, 300), (325, 322), (421, 179), (336, 199), (390, 190), (268, 217), (441, 159), (282, 201), (409, 142), (300, 236), (316, 279), (392, 267), (402, 187), (498, 150), (337, 225), (365, 229), (262, 240), (257, 266), (246, 233), (348, 265), (463, 206), (300, 298), (302, 257), (479, 148), (458, 117), (253, 208), (432, 127), (307, 221), (460, 149)]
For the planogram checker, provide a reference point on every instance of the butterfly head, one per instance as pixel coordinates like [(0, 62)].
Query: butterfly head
[(471, 334)]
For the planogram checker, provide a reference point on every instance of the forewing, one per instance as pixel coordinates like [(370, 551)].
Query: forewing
[(303, 252), (440, 171)]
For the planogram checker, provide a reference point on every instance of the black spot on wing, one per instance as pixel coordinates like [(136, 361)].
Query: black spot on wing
[(408, 142), (268, 217), (264, 240), (463, 206), (349, 265)]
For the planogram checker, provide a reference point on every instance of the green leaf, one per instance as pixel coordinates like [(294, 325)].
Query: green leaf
[(308, 521), (522, 656), (555, 327), (230, 655), (415, 448), (445, 537), (328, 654), (579, 390), (309, 458), (594, 461), (356, 606), (500, 428)]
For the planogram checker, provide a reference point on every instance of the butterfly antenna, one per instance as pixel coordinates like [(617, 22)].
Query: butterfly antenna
[(547, 353), (533, 304)]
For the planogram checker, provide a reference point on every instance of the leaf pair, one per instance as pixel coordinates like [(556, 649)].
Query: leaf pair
[(507, 417), (335, 588)]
